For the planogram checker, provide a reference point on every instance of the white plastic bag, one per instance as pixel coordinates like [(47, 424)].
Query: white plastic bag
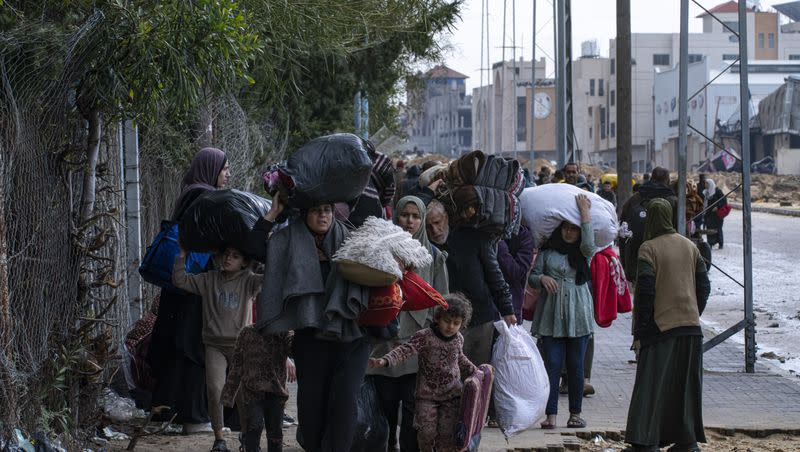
[(521, 386), (546, 206)]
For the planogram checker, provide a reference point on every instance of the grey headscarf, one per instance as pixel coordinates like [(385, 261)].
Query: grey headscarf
[(421, 235)]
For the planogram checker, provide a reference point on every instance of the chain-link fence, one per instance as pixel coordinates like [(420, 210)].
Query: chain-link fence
[(63, 306)]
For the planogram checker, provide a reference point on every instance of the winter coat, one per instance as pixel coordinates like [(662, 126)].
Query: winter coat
[(515, 256), (474, 271)]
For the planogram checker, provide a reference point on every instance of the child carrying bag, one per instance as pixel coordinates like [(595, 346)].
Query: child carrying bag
[(156, 266)]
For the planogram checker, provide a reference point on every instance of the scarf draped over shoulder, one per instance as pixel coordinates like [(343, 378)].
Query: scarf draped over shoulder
[(295, 296)]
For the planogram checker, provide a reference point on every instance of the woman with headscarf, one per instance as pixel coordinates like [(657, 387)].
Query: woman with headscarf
[(716, 200), (395, 385), (671, 292), (176, 354), (564, 319), (303, 292)]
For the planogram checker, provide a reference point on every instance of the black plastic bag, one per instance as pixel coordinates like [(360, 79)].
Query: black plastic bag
[(329, 169), (223, 218), (372, 428)]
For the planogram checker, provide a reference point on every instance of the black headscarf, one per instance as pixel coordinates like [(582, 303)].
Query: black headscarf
[(575, 257)]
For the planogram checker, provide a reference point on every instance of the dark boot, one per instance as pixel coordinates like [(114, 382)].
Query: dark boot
[(693, 447), (274, 446)]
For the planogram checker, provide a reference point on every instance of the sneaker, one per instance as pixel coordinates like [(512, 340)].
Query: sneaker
[(219, 446), (588, 389), (189, 429), (288, 421)]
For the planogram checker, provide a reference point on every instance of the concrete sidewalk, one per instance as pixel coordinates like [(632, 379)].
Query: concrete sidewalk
[(732, 399)]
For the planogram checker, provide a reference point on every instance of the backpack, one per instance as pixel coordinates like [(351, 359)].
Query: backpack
[(156, 266)]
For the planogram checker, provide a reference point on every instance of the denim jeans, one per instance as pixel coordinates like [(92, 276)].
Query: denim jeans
[(554, 350)]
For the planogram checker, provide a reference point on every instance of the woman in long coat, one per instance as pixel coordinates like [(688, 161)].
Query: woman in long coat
[(716, 199), (303, 292), (176, 354), (671, 292)]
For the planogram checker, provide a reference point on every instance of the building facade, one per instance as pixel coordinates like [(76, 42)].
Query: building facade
[(717, 46), (439, 113), (506, 102)]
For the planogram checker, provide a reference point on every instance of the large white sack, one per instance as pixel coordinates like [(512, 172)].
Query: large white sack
[(521, 385), (546, 206)]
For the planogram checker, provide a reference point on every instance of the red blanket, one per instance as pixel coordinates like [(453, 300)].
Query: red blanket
[(609, 287)]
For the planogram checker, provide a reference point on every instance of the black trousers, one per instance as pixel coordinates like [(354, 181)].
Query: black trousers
[(260, 413), (396, 394), (329, 377)]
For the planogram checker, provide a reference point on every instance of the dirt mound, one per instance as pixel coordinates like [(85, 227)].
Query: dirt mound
[(763, 187)]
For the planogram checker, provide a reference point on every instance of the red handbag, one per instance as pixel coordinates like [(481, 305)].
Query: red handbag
[(418, 294), (723, 211)]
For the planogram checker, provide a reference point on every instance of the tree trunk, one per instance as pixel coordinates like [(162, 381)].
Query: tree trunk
[(88, 194), (624, 132)]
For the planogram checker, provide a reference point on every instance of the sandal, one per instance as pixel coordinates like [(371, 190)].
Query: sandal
[(575, 421), (219, 446), (547, 426)]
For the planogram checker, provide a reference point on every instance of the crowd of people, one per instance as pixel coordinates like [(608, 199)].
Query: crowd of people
[(239, 331)]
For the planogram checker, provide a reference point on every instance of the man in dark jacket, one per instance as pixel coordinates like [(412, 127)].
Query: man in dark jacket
[(634, 213), (516, 258), (473, 270)]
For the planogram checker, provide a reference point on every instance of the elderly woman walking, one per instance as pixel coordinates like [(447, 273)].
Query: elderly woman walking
[(671, 292), (396, 385)]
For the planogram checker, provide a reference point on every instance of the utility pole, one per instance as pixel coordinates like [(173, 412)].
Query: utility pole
[(747, 239), (533, 90), (623, 72), (561, 81)]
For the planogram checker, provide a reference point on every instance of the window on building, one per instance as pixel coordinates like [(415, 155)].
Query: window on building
[(602, 123), (613, 132), (660, 59), (591, 87), (590, 132), (522, 130), (761, 40), (771, 40), (613, 66), (590, 112), (730, 56), (794, 56), (695, 58), (601, 91), (730, 25), (612, 97)]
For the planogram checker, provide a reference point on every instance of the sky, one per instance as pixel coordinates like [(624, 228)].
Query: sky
[(591, 19)]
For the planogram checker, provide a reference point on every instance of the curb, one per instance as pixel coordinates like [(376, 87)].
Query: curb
[(772, 210)]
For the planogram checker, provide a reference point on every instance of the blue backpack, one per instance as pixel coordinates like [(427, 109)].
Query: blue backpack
[(156, 266)]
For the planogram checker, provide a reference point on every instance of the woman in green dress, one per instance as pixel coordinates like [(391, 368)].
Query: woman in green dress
[(563, 320)]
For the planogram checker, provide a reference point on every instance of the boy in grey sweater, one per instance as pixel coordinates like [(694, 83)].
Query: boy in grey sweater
[(228, 296)]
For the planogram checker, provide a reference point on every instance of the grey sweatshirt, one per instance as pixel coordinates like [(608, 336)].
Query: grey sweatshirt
[(227, 300)]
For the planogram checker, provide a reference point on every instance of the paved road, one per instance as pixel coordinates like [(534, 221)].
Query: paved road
[(776, 287)]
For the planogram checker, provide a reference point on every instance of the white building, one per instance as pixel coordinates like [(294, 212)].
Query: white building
[(717, 102), (655, 52)]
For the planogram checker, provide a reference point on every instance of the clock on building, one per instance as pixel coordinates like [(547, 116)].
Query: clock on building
[(541, 105)]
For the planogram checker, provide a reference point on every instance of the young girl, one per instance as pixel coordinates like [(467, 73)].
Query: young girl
[(563, 321), (257, 380), (442, 367), (227, 308)]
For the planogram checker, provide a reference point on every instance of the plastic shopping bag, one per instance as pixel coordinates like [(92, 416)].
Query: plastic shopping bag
[(521, 385)]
